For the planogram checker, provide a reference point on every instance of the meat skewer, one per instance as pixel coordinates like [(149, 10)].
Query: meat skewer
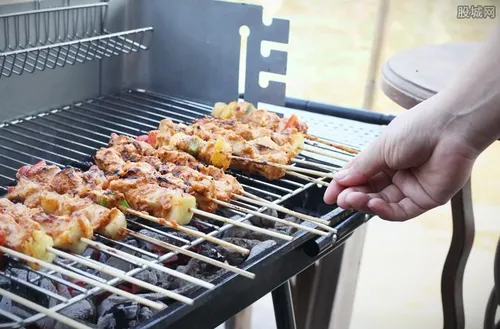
[(21, 212), (69, 172), (109, 159), (247, 113), (70, 180), (26, 237), (188, 159), (65, 231), (171, 134)]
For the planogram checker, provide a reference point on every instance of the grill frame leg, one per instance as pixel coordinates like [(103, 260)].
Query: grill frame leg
[(283, 307)]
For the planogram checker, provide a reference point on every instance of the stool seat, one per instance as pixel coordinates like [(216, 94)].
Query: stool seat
[(415, 75)]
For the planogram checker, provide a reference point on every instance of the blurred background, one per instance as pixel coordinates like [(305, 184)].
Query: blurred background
[(328, 61)]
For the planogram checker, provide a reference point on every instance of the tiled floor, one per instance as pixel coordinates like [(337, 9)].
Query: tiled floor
[(329, 53)]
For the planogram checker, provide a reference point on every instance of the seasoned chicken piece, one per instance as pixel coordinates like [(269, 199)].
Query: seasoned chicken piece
[(25, 236), (108, 222), (289, 139), (109, 160), (68, 182), (66, 231), (247, 113), (263, 149), (168, 203)]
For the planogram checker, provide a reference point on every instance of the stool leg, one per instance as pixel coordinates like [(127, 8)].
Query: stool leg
[(456, 260), (494, 299), (241, 320), (283, 307)]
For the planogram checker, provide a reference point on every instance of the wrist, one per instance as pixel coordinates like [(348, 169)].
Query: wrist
[(471, 121)]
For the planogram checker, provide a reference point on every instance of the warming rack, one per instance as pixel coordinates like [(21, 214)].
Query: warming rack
[(56, 37), (69, 135)]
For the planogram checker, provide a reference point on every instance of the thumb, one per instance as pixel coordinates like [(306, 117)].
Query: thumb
[(365, 165)]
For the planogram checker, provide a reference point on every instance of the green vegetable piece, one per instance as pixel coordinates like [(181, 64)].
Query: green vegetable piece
[(103, 202), (124, 203), (194, 146)]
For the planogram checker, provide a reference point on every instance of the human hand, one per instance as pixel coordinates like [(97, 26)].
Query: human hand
[(418, 163)]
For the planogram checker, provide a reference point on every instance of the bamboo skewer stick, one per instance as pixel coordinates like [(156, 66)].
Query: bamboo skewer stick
[(271, 218), (150, 264), (320, 222), (332, 144), (192, 254), (122, 275), (309, 179), (40, 309), (287, 167), (240, 224), (84, 279), (319, 165), (180, 228), (327, 154)]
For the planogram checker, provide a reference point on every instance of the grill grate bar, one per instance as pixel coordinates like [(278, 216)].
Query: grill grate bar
[(33, 286), (10, 316), (38, 140), (152, 229), (107, 115), (49, 275), (66, 135), (51, 136), (128, 246), (39, 123), (117, 105), (166, 108), (107, 124), (64, 115), (71, 267)]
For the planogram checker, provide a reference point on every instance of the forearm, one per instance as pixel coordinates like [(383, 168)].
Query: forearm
[(471, 102)]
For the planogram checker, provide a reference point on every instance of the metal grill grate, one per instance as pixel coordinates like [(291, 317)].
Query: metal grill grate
[(69, 135)]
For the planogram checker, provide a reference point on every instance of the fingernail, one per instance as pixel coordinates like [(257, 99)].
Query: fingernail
[(341, 174)]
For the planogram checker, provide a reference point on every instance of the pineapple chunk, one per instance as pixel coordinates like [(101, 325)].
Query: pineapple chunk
[(221, 155), (116, 228), (180, 211), (36, 247), (218, 108)]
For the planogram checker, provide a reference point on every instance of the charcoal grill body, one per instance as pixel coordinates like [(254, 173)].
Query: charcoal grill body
[(193, 55)]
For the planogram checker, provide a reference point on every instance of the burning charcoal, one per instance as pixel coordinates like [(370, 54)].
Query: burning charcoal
[(209, 250), (233, 257), (116, 312), (198, 269), (153, 248), (286, 229), (4, 282), (260, 248), (263, 222), (5, 304), (83, 310), (145, 314), (244, 233), (116, 263), (149, 276)]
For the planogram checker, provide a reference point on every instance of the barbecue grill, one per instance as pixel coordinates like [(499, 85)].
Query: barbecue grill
[(73, 73)]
